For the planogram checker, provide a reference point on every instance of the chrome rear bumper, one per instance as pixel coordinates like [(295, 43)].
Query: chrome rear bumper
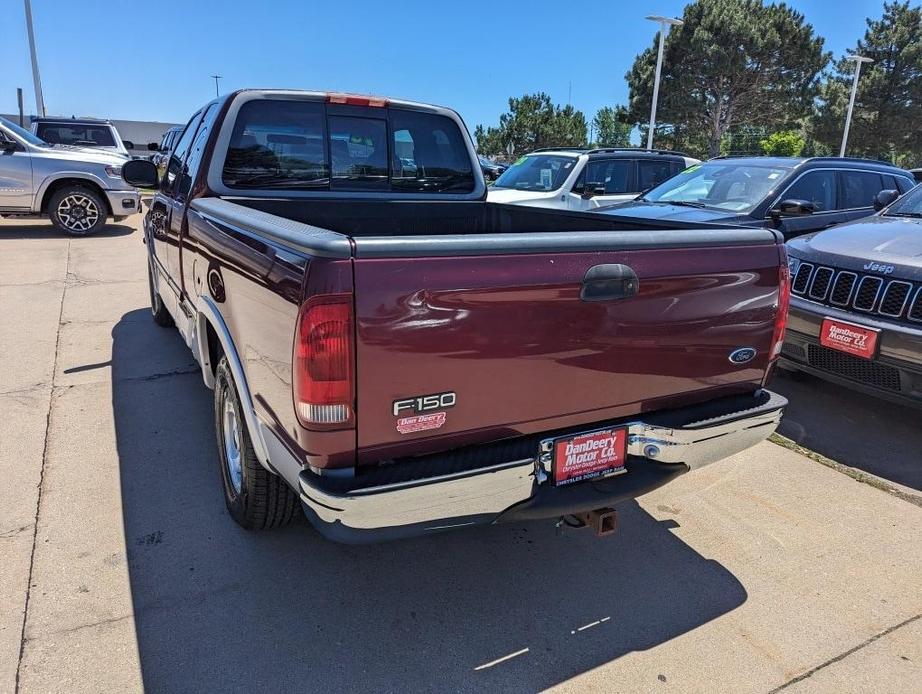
[(657, 452)]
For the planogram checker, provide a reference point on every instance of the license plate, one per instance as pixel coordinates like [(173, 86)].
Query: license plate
[(849, 338), (584, 456)]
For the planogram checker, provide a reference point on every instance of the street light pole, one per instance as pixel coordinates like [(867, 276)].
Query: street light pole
[(36, 78), (851, 101), (664, 24), (216, 78)]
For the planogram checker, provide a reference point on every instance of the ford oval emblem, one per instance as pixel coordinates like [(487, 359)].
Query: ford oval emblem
[(742, 355)]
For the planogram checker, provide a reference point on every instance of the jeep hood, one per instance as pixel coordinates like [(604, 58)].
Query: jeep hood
[(892, 240), (518, 197)]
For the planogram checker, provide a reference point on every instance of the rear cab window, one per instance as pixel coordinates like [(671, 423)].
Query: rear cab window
[(77, 134), (311, 145)]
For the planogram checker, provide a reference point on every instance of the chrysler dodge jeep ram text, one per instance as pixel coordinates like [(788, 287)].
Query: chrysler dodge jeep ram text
[(856, 313), (398, 356)]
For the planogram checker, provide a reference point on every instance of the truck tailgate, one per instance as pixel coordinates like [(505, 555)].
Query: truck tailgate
[(508, 347)]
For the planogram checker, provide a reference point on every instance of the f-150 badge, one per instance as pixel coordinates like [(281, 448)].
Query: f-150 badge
[(420, 410)]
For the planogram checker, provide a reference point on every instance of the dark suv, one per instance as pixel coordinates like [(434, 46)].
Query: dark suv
[(794, 195), (856, 306)]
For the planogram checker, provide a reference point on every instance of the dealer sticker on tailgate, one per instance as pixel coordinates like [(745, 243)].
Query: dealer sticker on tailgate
[(849, 338), (585, 456)]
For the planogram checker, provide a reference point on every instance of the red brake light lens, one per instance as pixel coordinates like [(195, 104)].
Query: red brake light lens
[(354, 100), (323, 360), (784, 301)]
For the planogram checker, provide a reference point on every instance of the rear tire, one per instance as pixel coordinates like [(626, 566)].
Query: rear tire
[(77, 210), (161, 316), (255, 498)]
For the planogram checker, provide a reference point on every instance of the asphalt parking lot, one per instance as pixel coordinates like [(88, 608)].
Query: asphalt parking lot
[(121, 570)]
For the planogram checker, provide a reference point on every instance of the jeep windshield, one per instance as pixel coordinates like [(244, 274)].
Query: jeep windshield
[(721, 185), (24, 134), (910, 205), (541, 172)]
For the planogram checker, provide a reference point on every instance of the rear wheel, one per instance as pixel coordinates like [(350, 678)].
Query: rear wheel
[(77, 210), (161, 316), (255, 498)]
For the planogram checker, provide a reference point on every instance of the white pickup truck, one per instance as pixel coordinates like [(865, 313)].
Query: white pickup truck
[(77, 188)]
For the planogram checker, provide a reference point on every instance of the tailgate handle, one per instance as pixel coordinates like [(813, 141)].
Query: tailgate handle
[(609, 282)]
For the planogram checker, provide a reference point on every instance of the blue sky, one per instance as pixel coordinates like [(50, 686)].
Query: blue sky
[(138, 61)]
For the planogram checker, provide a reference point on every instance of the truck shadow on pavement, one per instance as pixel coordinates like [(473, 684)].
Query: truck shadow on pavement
[(11, 230), (858, 430), (512, 607)]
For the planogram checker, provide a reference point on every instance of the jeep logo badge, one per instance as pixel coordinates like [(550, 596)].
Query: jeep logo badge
[(877, 267), (742, 355)]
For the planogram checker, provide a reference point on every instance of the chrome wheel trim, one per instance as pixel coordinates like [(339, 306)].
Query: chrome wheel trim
[(78, 212), (232, 435)]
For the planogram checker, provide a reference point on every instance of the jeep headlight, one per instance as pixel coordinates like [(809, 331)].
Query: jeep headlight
[(793, 265), (114, 171)]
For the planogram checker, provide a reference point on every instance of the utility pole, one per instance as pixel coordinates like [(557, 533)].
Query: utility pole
[(851, 102), (664, 24), (36, 78), (216, 78), (22, 120)]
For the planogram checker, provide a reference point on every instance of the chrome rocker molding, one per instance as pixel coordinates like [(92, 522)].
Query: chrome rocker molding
[(480, 496)]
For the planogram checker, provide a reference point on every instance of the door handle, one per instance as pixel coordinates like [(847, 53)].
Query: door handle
[(609, 282)]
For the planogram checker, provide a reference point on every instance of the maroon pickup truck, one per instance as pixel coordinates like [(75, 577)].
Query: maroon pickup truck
[(398, 356)]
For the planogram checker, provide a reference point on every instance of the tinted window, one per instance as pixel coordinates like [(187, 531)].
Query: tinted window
[(196, 150), (613, 174), (358, 153), (277, 144), (818, 187), (24, 134), (905, 184), (429, 153), (76, 134), (860, 188), (653, 172), (544, 172), (174, 166)]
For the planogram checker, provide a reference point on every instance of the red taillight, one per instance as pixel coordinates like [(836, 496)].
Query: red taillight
[(323, 360), (354, 100), (784, 300)]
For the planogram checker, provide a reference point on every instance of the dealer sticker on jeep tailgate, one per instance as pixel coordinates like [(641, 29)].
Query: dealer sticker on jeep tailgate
[(849, 338), (584, 456)]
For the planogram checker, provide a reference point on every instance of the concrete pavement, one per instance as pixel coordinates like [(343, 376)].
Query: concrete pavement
[(122, 571)]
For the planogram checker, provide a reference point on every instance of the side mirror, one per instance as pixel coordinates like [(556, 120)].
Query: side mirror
[(884, 198), (140, 173), (153, 146), (128, 144), (593, 189), (793, 208), (9, 145)]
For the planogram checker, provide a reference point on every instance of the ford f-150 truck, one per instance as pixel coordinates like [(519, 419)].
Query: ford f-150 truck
[(398, 356)]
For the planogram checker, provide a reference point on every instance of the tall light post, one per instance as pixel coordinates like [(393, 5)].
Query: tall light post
[(664, 24), (36, 78), (216, 78), (851, 101)]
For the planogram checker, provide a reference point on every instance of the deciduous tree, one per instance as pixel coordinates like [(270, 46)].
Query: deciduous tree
[(533, 121)]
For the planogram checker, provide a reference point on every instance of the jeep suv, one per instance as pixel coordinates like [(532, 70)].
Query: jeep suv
[(794, 195), (856, 305), (584, 179)]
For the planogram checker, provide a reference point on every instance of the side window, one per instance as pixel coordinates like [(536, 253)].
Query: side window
[(174, 166), (860, 188), (278, 144), (428, 154), (904, 184), (652, 172), (818, 187), (613, 174), (358, 153), (195, 151)]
